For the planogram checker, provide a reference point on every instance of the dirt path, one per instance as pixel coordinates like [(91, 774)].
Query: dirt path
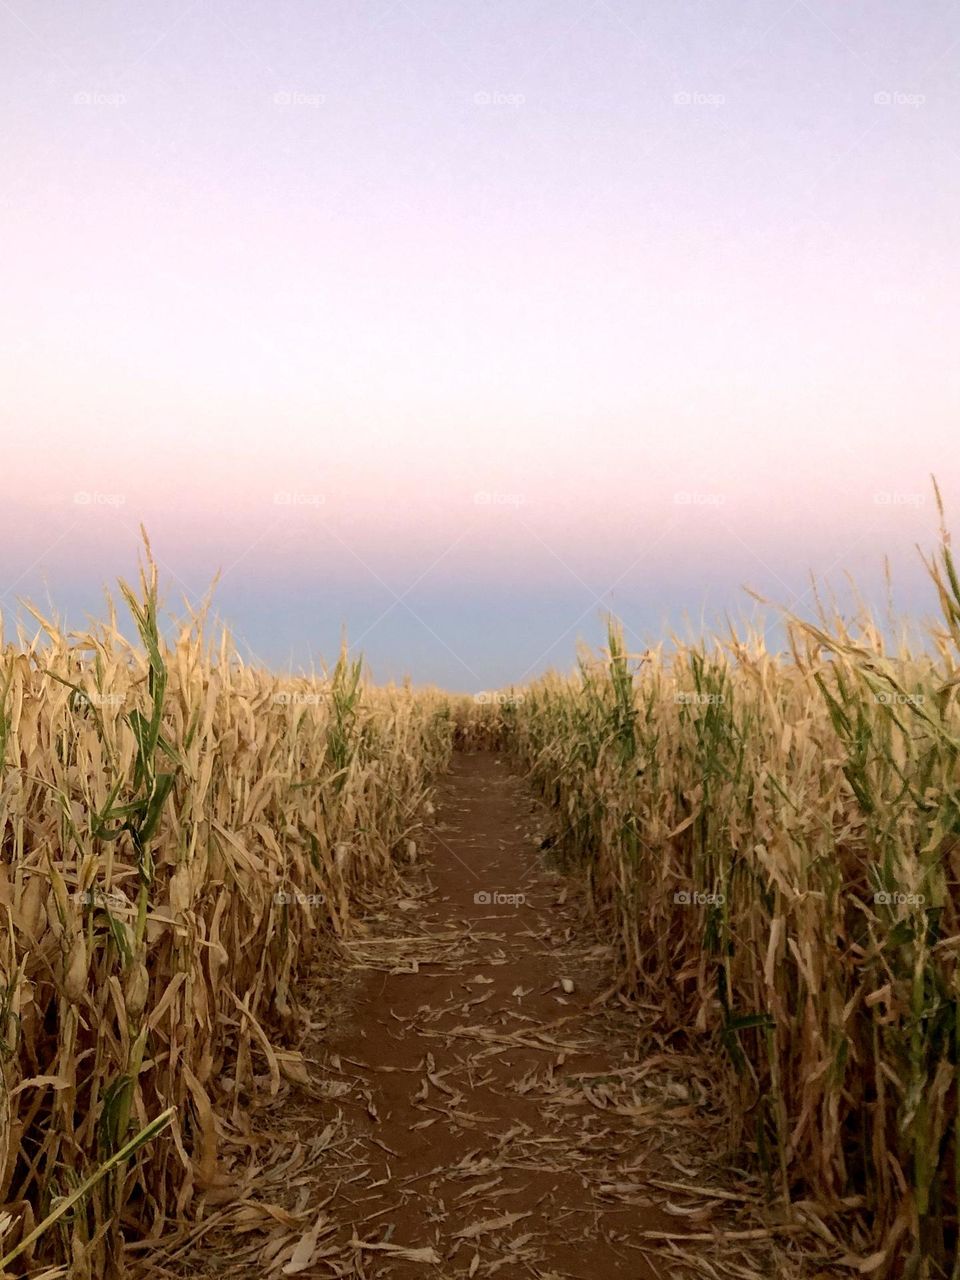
[(474, 1115)]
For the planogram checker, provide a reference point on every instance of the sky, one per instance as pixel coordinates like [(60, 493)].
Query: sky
[(458, 323)]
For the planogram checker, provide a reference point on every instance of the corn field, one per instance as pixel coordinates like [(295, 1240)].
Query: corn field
[(773, 840), (775, 843), (181, 837)]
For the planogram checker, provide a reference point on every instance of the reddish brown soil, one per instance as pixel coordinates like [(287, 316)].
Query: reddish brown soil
[(463, 1105), (543, 1163)]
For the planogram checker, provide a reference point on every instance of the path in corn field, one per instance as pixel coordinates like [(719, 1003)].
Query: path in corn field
[(468, 1115)]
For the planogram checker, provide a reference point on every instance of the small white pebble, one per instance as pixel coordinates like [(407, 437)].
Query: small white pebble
[(567, 984)]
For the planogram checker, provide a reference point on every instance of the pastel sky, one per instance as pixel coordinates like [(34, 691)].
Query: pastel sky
[(460, 321)]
